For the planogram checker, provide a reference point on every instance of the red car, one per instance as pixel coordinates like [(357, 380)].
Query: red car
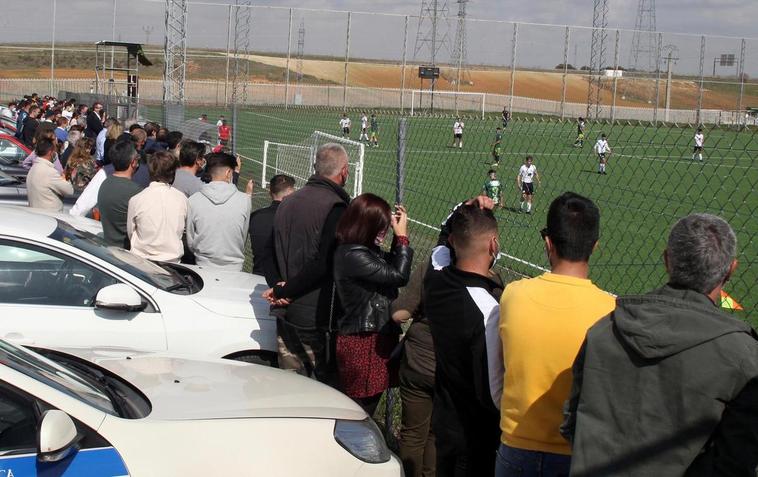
[(12, 153)]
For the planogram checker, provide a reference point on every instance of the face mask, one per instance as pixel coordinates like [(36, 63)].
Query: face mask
[(495, 256)]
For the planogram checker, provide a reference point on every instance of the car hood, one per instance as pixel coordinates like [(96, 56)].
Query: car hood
[(181, 389), (228, 293)]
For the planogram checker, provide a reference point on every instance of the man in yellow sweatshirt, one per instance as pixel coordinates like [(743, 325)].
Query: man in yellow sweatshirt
[(543, 321)]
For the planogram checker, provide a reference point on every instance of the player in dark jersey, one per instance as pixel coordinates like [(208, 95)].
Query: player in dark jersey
[(374, 140), (579, 133), (497, 148), (506, 115)]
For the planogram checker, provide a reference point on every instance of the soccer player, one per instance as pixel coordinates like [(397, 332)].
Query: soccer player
[(506, 117), (493, 189), (697, 151), (345, 126), (364, 127), (525, 180), (374, 131), (496, 148), (579, 133), (603, 151), (224, 134), (458, 133)]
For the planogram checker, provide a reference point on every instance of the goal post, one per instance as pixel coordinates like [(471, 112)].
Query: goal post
[(297, 160), (457, 102)]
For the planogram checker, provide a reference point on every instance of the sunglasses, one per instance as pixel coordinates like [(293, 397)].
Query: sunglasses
[(544, 233)]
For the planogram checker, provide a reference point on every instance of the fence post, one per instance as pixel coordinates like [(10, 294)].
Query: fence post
[(615, 79), (658, 47), (52, 52), (402, 131), (228, 44), (234, 128), (700, 93), (402, 70), (513, 65), (741, 73), (347, 58), (565, 71), (287, 72)]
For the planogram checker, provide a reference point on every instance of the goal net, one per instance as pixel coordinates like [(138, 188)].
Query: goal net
[(457, 102), (297, 160)]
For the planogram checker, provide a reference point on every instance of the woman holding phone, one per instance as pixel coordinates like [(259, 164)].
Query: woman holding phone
[(367, 280)]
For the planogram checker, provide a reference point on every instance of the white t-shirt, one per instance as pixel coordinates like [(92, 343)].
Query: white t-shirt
[(527, 173), (364, 122), (699, 138), (345, 123), (602, 147), (458, 127)]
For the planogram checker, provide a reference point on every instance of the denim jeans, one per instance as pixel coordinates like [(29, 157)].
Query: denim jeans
[(512, 462)]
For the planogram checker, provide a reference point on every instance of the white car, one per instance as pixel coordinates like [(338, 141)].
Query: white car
[(63, 286), (85, 413)]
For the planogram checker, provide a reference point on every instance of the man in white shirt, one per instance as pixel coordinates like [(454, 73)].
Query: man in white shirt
[(156, 216), (345, 126), (603, 151), (364, 127), (45, 187), (697, 151), (458, 133), (525, 180), (100, 140)]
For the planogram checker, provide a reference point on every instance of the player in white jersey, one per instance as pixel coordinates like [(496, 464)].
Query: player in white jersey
[(345, 126), (364, 127), (697, 151), (525, 181), (603, 151), (458, 133)]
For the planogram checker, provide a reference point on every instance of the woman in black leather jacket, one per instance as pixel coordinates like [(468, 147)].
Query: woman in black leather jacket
[(367, 280)]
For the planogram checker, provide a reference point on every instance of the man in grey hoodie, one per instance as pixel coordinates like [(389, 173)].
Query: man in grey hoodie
[(218, 217), (666, 384)]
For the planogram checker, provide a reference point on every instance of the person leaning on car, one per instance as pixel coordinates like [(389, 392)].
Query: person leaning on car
[(116, 190), (44, 185)]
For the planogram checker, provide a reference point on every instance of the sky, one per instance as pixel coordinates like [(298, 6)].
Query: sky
[(381, 36)]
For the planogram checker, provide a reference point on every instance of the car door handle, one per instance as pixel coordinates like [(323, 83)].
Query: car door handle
[(19, 339)]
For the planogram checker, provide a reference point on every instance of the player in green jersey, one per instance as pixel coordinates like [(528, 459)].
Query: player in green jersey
[(493, 188), (579, 133), (374, 141)]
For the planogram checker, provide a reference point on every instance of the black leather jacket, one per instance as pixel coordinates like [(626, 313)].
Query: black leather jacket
[(367, 280)]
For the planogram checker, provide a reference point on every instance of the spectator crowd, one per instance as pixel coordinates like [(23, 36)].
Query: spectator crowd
[(543, 376)]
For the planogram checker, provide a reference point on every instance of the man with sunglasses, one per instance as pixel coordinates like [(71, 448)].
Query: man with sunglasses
[(543, 321)]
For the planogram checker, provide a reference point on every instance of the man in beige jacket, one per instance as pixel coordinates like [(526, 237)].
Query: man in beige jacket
[(45, 187)]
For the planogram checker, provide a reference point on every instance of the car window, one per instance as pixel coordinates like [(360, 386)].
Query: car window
[(145, 270), (34, 276), (18, 422), (10, 153)]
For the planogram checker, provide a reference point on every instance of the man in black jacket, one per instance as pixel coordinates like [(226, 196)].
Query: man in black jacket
[(655, 378), (304, 228), (262, 229), (461, 304), (95, 119)]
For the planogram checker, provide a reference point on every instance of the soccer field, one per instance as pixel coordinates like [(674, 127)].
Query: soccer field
[(651, 182)]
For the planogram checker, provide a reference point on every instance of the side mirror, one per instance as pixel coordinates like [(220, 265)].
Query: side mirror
[(57, 436), (119, 297)]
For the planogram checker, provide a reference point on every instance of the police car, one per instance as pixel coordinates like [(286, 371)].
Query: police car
[(61, 285), (100, 413)]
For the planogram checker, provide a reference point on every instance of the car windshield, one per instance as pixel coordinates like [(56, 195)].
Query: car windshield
[(53, 375), (145, 270)]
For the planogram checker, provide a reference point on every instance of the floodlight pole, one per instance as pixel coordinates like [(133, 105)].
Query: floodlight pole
[(347, 58), (402, 71), (287, 69), (52, 52)]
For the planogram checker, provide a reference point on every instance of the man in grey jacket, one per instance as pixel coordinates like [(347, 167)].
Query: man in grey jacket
[(663, 385), (218, 216)]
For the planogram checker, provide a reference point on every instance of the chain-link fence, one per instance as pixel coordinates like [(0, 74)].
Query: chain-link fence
[(653, 178), (357, 59), (306, 67)]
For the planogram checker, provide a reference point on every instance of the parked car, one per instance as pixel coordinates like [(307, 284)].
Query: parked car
[(12, 154), (88, 412), (63, 286)]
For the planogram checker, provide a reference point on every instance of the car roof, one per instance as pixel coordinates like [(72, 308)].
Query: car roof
[(25, 222)]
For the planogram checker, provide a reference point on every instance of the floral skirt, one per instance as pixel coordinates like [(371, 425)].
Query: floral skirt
[(363, 363)]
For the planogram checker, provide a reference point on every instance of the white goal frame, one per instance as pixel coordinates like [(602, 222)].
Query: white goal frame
[(317, 139), (418, 93)]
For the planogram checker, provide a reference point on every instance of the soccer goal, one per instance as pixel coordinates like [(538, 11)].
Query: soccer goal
[(424, 100), (297, 160)]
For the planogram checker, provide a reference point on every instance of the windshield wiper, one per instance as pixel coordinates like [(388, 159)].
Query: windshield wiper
[(184, 282)]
